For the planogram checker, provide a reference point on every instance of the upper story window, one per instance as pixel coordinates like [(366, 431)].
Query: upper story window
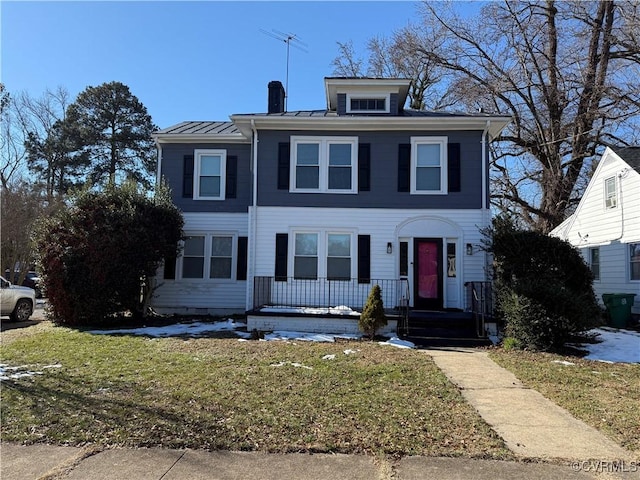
[(324, 164), (429, 165), (209, 174), (378, 103), (610, 193)]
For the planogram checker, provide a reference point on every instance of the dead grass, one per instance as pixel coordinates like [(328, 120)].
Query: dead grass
[(603, 395), (214, 393)]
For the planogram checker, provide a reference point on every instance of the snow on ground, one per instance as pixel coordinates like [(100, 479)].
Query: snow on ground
[(14, 373), (339, 310), (195, 329), (614, 346)]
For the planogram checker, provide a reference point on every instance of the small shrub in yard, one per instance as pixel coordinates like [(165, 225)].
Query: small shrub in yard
[(543, 288), (373, 316)]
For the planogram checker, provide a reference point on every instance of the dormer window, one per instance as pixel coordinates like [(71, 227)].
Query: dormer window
[(377, 103)]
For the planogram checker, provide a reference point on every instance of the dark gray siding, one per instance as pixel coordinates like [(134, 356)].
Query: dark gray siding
[(173, 171), (384, 174)]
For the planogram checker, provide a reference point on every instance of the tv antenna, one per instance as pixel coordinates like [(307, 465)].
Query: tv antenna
[(291, 39)]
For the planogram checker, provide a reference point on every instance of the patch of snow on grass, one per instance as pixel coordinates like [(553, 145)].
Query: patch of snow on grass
[(563, 362), (194, 329), (21, 371), (615, 345), (308, 337), (396, 342)]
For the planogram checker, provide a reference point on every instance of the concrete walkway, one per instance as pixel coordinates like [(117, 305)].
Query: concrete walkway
[(46, 462), (531, 425)]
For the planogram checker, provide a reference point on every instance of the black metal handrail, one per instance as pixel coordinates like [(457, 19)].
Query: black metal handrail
[(480, 299), (325, 293)]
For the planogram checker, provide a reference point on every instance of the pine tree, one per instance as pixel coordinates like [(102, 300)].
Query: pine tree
[(373, 316)]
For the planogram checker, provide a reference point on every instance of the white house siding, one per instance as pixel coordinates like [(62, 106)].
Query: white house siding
[(206, 296), (609, 229), (383, 225)]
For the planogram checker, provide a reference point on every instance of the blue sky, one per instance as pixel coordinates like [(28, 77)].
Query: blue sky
[(187, 60)]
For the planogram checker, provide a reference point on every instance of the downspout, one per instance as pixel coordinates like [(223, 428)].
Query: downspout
[(159, 168), (486, 216), (621, 174), (254, 213)]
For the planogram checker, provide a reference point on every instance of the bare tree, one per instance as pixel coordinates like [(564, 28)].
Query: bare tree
[(565, 71)]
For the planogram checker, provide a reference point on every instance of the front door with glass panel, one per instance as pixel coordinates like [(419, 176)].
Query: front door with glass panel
[(427, 271)]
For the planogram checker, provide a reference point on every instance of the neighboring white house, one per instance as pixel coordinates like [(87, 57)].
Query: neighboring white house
[(606, 224)]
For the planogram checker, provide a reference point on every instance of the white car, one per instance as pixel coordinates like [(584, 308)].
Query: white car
[(16, 302)]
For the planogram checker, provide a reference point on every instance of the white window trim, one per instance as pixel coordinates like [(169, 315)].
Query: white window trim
[(442, 141), (323, 250), (208, 241), (373, 96), (323, 183), (590, 260), (197, 154), (610, 201)]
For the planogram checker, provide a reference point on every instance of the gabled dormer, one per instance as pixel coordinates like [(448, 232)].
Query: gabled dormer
[(366, 96)]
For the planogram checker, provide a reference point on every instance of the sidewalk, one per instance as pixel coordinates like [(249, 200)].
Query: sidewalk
[(531, 425), (43, 462)]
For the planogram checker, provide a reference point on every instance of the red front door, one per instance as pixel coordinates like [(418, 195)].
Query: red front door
[(428, 275)]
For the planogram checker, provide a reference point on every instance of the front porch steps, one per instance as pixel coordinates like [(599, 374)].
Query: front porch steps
[(443, 329)]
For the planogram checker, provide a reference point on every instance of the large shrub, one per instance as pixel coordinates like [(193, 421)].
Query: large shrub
[(96, 253), (543, 287), (373, 317)]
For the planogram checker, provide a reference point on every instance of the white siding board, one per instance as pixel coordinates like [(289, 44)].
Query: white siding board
[(383, 225), (204, 296)]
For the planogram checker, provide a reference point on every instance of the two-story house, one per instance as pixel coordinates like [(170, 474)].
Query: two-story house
[(606, 224), (310, 208)]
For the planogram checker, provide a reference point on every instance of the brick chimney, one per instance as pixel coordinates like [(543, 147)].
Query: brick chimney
[(276, 97)]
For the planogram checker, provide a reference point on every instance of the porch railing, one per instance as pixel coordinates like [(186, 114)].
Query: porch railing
[(325, 293), (480, 299)]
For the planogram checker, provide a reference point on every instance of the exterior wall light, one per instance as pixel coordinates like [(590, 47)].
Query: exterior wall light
[(389, 247), (469, 249)]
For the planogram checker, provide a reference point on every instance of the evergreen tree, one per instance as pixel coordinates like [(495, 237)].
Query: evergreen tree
[(373, 316)]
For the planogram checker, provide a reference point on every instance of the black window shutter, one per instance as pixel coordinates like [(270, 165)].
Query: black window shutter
[(231, 184), (187, 179), (241, 270), (364, 167), (404, 167), (170, 267), (282, 247), (284, 152), (453, 168), (364, 258)]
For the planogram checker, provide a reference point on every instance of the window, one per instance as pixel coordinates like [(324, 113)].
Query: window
[(594, 262), (634, 261), (209, 174), (212, 256), (376, 103), (338, 256), (324, 164), (193, 257), (322, 254), (428, 165), (221, 257), (610, 194), (451, 259), (404, 259), (305, 261)]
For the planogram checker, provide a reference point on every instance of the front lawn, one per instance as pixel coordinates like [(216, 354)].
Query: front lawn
[(220, 393), (603, 395)]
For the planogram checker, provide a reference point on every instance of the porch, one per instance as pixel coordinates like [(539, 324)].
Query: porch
[(333, 306)]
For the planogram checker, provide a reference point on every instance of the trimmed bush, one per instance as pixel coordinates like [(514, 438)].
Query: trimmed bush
[(543, 288), (373, 316), (96, 254)]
